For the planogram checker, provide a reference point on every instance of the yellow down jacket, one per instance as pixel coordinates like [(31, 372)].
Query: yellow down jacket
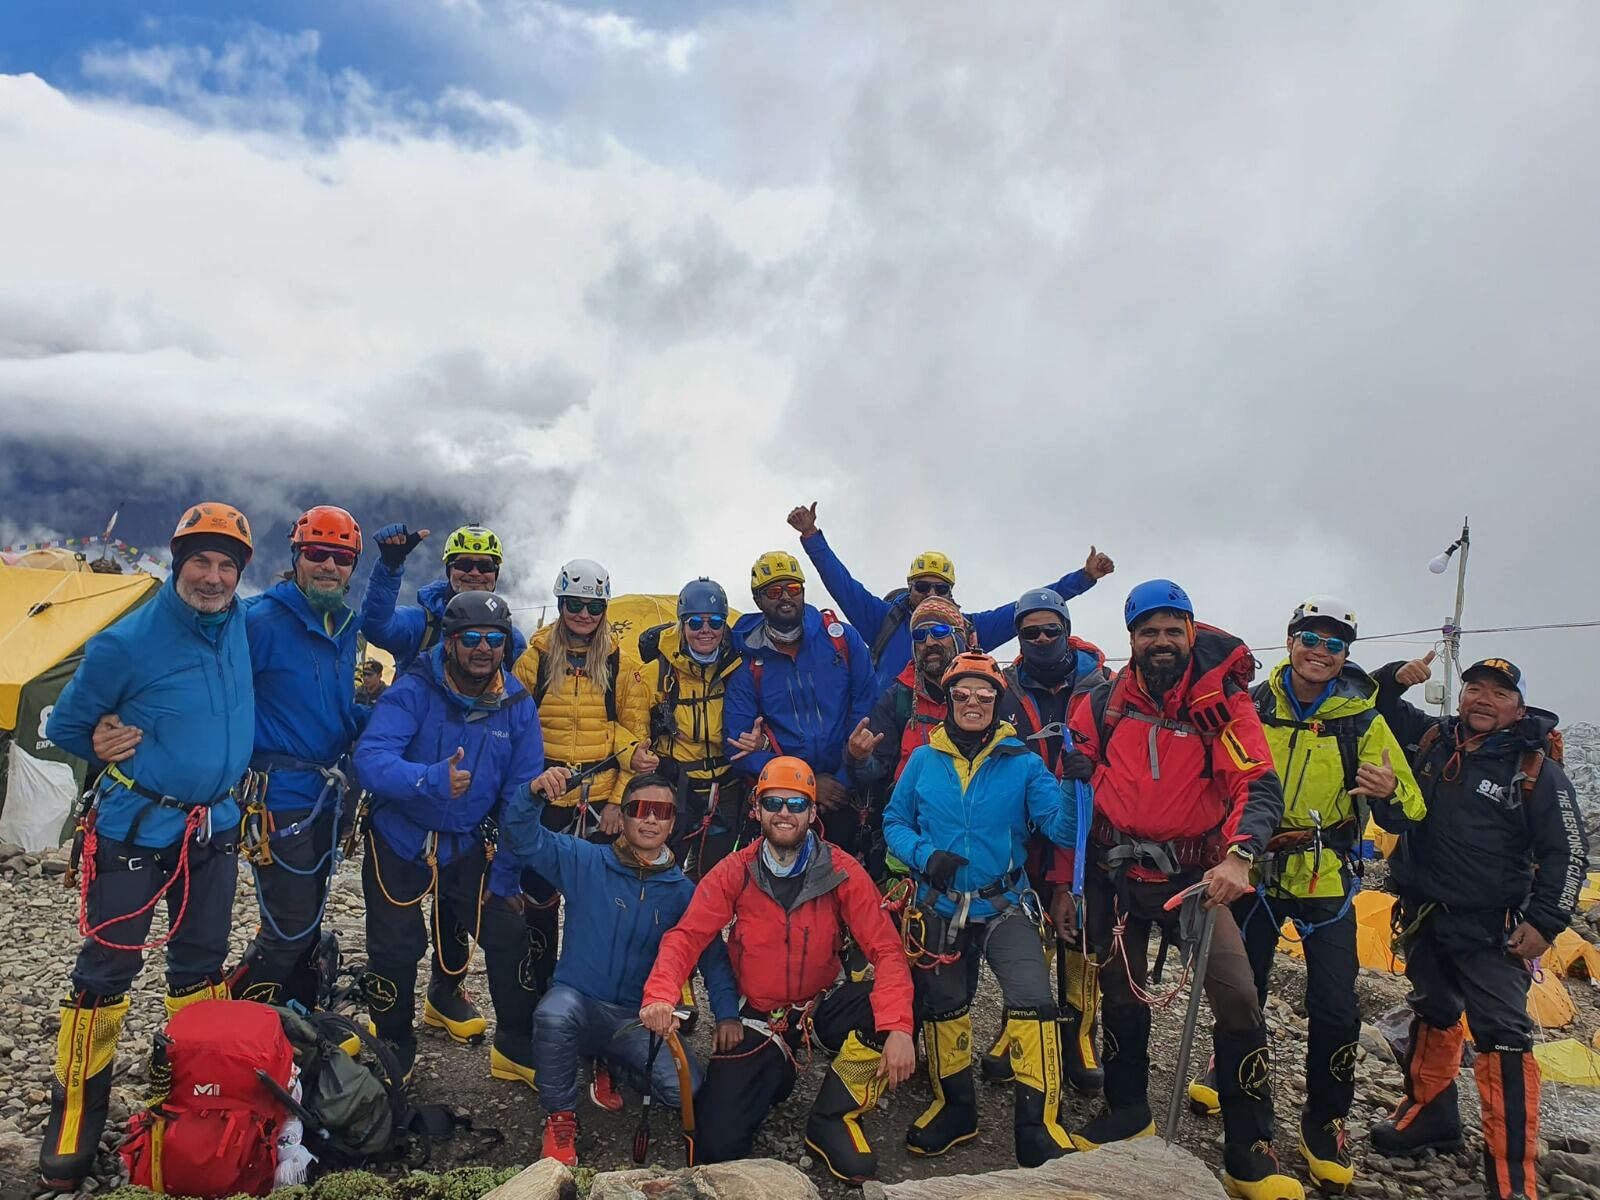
[(686, 705)]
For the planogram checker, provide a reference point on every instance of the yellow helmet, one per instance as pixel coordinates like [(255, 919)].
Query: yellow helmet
[(775, 565), (931, 562), (472, 539)]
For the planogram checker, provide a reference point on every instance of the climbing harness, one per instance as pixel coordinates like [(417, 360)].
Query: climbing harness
[(257, 833), (431, 858)]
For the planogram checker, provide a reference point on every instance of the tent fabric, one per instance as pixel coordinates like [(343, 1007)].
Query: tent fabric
[(48, 558), (1569, 1061), (39, 800), (1548, 1002), (1590, 895), (45, 616), (1571, 957)]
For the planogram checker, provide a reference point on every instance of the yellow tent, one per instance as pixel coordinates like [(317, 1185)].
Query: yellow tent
[(1548, 1002), (1572, 957), (48, 558), (1590, 895), (1568, 1061)]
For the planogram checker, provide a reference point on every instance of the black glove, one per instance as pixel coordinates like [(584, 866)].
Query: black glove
[(1076, 767), (942, 867), (394, 554)]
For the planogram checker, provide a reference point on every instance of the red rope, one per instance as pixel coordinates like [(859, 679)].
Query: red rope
[(91, 839)]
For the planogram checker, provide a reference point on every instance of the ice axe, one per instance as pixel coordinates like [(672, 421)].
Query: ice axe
[(680, 1059), (1191, 1016)]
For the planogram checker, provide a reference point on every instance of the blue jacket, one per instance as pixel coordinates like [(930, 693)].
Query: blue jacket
[(614, 915), (810, 702), (867, 612), (403, 759), (982, 810), (189, 688), (305, 690), (400, 631)]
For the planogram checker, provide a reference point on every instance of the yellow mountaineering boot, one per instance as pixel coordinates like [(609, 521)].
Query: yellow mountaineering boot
[(1080, 1025), (448, 1008), (80, 1093), (175, 1002), (503, 1066), (953, 1116), (995, 1065), (851, 1088), (1203, 1098), (1036, 1062)]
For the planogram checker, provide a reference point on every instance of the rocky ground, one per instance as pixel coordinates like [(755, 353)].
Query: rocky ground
[(40, 940)]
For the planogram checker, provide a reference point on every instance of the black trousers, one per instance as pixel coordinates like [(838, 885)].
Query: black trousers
[(511, 948), (277, 966), (699, 843), (127, 877), (1458, 962), (397, 936), (1331, 967), (742, 1086)]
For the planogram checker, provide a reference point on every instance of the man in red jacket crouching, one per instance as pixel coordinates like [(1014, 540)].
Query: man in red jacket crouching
[(792, 898)]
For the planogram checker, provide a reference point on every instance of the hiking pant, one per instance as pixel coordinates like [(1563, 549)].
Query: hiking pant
[(1331, 967), (1015, 951), (742, 1086), (290, 892), (510, 949), (1230, 986), (397, 937), (1458, 962), (127, 877), (698, 844), (570, 1025)]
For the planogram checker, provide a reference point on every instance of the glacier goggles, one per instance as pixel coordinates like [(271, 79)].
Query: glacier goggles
[(776, 804), (1312, 640), (701, 620), (576, 604), (339, 556), (923, 632), (472, 638), (652, 809), (777, 591)]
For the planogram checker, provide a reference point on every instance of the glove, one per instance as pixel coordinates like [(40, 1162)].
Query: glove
[(394, 555), (1076, 767), (942, 867)]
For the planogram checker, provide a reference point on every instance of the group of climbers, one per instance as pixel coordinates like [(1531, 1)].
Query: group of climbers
[(730, 776)]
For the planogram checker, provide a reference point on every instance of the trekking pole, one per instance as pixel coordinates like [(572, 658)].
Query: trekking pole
[(1191, 1017)]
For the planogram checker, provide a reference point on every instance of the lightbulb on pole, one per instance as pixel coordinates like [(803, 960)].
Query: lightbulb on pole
[(1452, 631), (1440, 563)]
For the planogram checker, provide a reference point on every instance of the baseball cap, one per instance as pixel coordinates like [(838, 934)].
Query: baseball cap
[(1499, 670)]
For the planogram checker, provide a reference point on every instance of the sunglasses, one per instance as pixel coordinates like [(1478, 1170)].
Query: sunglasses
[(922, 588), (473, 638), (715, 620), (982, 695), (1312, 640), (923, 632), (777, 591), (480, 566), (651, 810), (1041, 633), (776, 804), (576, 604), (337, 555)]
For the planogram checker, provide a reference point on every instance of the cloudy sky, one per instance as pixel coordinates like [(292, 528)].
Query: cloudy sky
[(1262, 297)]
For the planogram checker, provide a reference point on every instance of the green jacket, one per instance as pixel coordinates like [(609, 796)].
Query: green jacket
[(1314, 769)]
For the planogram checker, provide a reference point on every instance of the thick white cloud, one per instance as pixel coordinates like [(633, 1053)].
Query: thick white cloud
[(1260, 298)]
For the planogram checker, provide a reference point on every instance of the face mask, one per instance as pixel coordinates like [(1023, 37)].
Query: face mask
[(1047, 661)]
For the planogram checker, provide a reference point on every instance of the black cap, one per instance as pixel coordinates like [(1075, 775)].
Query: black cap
[(1498, 670)]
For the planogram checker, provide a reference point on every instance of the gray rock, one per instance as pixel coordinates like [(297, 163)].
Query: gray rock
[(745, 1179), (1579, 1166), (1566, 1185), (544, 1180), (1145, 1167)]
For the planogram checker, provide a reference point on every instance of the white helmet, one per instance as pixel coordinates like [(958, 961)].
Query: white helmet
[(1324, 608), (583, 577)]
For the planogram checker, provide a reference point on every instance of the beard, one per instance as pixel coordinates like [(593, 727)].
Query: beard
[(203, 599), (1162, 672)]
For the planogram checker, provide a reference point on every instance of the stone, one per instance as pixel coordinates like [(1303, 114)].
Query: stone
[(1579, 1166), (1144, 1167), (18, 1154), (1566, 1185), (544, 1180), (744, 1179)]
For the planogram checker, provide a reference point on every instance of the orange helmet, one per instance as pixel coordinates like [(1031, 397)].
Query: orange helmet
[(217, 519), (788, 774), (974, 664), (326, 525)]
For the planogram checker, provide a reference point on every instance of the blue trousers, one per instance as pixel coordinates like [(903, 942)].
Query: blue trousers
[(569, 1025)]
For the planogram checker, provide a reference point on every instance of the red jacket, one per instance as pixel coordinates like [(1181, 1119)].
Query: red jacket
[(1181, 783), (786, 959)]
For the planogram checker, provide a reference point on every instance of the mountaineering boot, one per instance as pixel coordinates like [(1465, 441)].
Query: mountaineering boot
[(175, 1001), (995, 1065), (561, 1138), (602, 1091), (1127, 1072), (1428, 1117), (504, 1066), (447, 1007), (514, 996), (80, 1093), (850, 1088), (404, 1047), (1036, 1063), (1250, 1170), (1080, 1026), (1508, 1089), (1324, 1146), (953, 1115), (1203, 1099)]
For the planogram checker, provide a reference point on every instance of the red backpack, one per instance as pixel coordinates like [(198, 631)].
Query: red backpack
[(216, 1132)]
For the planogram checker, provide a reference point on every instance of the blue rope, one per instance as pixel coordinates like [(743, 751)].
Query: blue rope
[(332, 854), (1304, 928)]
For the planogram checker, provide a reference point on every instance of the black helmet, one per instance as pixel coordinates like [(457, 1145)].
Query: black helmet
[(1043, 600), (476, 610)]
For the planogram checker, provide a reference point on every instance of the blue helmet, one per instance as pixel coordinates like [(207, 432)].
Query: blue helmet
[(1155, 594), (702, 597), (1043, 600)]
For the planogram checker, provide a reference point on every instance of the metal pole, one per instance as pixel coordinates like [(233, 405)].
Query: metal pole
[(1452, 657), (1191, 1018)]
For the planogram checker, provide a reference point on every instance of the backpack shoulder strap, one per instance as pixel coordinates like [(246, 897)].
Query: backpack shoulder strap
[(1529, 765), (841, 647), (1430, 736), (614, 663), (430, 630), (892, 620), (541, 677), (905, 704)]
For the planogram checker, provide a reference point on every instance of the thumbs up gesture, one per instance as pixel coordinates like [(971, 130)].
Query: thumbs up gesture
[(1377, 783), (460, 780), (1417, 671), (863, 741), (804, 519), (1098, 565)]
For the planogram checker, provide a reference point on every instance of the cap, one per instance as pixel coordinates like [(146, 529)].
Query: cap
[(1499, 670)]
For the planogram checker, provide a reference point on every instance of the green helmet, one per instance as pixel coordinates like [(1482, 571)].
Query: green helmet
[(472, 539)]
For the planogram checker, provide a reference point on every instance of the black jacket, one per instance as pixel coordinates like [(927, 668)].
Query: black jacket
[(1486, 843)]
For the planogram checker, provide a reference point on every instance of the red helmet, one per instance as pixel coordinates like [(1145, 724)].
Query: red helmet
[(326, 525)]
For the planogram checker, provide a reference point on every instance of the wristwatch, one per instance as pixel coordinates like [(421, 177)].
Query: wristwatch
[(1239, 850)]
